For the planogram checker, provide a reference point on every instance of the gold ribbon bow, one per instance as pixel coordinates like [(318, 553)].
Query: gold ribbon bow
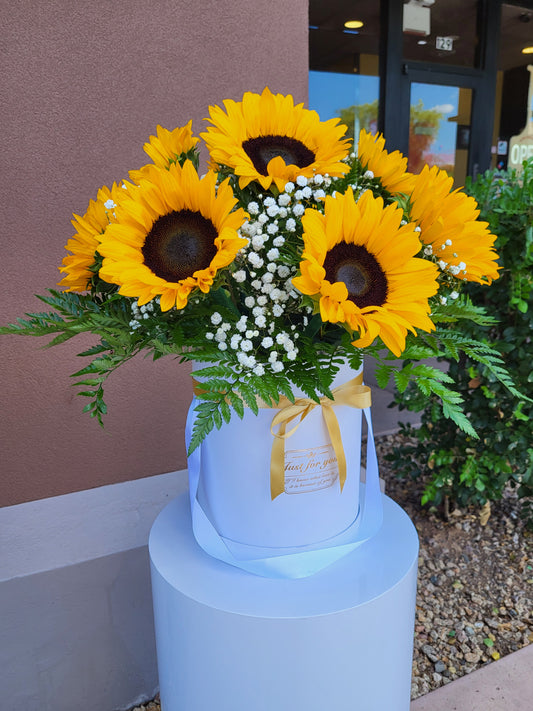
[(353, 393)]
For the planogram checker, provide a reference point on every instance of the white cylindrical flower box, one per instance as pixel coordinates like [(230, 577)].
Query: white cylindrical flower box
[(234, 487)]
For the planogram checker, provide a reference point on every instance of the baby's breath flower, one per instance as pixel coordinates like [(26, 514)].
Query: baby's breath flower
[(267, 342), (284, 200), (255, 260), (258, 242), (297, 210), (240, 276), (289, 187), (216, 318), (249, 301), (301, 180), (253, 208)]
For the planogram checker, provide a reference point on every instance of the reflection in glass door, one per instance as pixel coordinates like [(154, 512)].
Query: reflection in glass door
[(439, 129)]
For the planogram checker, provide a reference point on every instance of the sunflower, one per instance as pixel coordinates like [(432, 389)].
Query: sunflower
[(169, 145), (358, 263), (390, 168), (172, 233), (448, 222), (166, 148), (266, 138), (84, 243)]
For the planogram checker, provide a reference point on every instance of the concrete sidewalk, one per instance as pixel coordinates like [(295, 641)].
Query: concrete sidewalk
[(505, 685)]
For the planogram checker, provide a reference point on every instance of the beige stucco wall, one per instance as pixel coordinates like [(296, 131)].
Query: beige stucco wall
[(84, 85)]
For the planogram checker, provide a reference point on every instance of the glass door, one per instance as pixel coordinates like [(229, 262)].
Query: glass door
[(439, 128)]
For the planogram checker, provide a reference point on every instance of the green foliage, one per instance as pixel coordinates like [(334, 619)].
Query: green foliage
[(464, 468)]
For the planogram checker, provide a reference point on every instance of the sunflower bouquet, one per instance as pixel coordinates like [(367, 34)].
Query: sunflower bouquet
[(294, 253)]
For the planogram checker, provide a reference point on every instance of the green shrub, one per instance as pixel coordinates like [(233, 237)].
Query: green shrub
[(459, 467)]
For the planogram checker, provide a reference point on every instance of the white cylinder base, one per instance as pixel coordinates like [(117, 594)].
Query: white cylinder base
[(230, 641)]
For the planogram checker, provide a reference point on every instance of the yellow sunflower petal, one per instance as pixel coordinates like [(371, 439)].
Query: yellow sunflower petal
[(167, 146), (360, 262), (171, 235), (266, 138), (390, 168), (448, 222), (84, 243)]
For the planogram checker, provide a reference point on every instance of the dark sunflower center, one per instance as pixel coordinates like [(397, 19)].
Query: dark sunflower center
[(360, 271), (179, 244), (262, 149)]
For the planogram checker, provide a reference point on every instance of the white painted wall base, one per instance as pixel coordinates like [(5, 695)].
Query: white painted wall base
[(76, 621)]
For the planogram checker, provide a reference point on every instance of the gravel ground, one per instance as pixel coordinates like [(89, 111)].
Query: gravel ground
[(475, 585)]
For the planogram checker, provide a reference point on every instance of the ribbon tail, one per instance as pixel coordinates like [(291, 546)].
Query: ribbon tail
[(277, 464), (336, 440)]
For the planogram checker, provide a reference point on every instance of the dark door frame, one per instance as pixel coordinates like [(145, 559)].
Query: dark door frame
[(397, 74)]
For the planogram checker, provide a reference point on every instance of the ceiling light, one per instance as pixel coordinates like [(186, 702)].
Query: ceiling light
[(353, 24), (527, 50), (422, 42)]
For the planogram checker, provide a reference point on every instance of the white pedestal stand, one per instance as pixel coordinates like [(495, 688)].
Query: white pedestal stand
[(340, 640)]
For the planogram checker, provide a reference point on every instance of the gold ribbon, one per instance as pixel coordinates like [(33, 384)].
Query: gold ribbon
[(353, 394)]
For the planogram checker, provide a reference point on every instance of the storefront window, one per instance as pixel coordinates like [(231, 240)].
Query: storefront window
[(443, 32), (344, 62), (513, 129)]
